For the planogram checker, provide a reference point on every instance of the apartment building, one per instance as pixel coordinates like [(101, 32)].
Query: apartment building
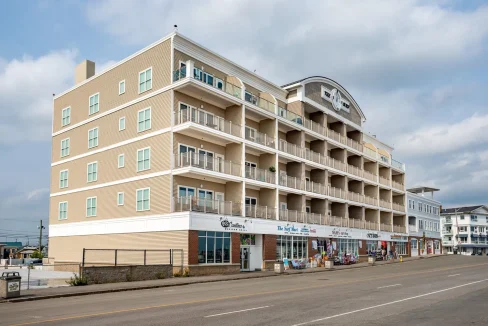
[(423, 221), (178, 147), (464, 230)]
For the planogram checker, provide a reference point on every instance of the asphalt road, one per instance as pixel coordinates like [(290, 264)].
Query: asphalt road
[(450, 290)]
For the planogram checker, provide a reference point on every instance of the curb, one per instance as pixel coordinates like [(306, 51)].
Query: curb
[(76, 294)]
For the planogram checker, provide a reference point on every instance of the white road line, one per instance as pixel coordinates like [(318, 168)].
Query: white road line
[(233, 312), (389, 286), (453, 275), (390, 303)]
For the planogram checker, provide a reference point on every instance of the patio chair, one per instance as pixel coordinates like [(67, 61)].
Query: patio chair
[(296, 264)]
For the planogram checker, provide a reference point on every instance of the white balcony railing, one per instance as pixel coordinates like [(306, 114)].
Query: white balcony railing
[(315, 187), (315, 127), (207, 162), (384, 181), (385, 204), (290, 148), (337, 193), (398, 207), (370, 201), (335, 164), (354, 170), (370, 176), (257, 211), (399, 229), (397, 185), (205, 205), (353, 196), (260, 174), (291, 182), (291, 215), (208, 120), (260, 102), (412, 228), (259, 138), (386, 227)]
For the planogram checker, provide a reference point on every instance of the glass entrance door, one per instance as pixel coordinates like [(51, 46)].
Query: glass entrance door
[(245, 259)]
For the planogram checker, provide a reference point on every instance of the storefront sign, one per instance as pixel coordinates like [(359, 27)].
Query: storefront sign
[(373, 235), (399, 237), (338, 233), (293, 230), (231, 226)]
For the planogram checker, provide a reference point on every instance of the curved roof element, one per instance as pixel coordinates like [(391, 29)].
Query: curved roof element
[(330, 81)]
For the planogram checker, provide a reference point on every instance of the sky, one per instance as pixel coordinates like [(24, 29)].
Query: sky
[(418, 69)]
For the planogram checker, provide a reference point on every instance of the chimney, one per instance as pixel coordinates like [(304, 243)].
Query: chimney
[(84, 70)]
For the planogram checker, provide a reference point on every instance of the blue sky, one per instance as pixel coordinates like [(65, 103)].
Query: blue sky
[(418, 69)]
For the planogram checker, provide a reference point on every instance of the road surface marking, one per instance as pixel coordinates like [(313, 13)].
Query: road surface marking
[(234, 312), (390, 303), (389, 286), (395, 275), (453, 275)]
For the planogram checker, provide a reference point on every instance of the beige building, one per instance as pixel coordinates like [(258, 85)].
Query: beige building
[(178, 147)]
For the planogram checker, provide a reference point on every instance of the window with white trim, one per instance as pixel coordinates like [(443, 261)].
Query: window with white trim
[(143, 159), (143, 199), (65, 147), (91, 206), (93, 103), (121, 87), (120, 198), (66, 116), (144, 120), (63, 210), (92, 172), (63, 179), (145, 80), (121, 161), (93, 137), (122, 124)]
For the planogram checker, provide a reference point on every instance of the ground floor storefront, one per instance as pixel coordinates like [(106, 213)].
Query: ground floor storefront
[(467, 249), (423, 246)]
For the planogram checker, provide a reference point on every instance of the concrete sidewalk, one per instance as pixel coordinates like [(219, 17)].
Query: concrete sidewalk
[(69, 291)]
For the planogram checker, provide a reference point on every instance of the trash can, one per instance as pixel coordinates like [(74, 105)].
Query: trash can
[(329, 264), (10, 285), (371, 260), (279, 267)]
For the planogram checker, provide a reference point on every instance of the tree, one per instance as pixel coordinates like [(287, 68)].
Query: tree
[(37, 254)]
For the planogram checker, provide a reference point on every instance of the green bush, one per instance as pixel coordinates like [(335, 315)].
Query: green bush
[(36, 254), (77, 280)]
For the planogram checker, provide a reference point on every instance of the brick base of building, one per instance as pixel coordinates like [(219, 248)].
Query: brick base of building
[(115, 274), (200, 270)]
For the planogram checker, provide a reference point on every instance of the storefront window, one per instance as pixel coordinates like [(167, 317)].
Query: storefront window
[(413, 243), (371, 245), (436, 245), (401, 248), (248, 239), (213, 247), (348, 247), (291, 247)]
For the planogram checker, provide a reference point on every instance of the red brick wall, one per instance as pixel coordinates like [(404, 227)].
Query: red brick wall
[(269, 247), (235, 247), (363, 250), (311, 252), (192, 247)]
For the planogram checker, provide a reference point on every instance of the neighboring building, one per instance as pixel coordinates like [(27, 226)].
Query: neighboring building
[(423, 221), (464, 230), (8, 249), (26, 252), (178, 147)]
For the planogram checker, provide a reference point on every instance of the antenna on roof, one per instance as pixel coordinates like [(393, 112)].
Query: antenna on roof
[(254, 70), (176, 28)]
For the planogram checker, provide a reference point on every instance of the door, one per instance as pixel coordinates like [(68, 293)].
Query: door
[(251, 203), (219, 164), (205, 200), (206, 159), (219, 203), (185, 196), (283, 211), (187, 156), (251, 170), (245, 266)]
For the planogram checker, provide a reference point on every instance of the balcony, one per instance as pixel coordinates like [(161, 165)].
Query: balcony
[(447, 220), (354, 170), (397, 185), (370, 176), (378, 157), (399, 229), (385, 204), (200, 81), (370, 201), (315, 127), (398, 207), (337, 193), (353, 196), (447, 231), (206, 163), (386, 227), (291, 182), (256, 211), (354, 144), (260, 175), (290, 116), (397, 165), (412, 228), (315, 187), (334, 135), (335, 164), (260, 102), (291, 216), (208, 121), (384, 181), (203, 205), (259, 138)]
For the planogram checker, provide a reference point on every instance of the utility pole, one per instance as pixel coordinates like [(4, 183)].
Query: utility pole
[(40, 236)]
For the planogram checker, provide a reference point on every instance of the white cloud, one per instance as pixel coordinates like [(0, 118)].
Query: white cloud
[(27, 86)]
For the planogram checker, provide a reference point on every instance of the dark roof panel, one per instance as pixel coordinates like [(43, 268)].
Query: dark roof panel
[(464, 209)]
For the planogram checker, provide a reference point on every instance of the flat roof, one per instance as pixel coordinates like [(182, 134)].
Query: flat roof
[(419, 190)]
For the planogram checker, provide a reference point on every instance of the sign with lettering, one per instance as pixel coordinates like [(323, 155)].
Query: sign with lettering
[(373, 235), (231, 226), (13, 286)]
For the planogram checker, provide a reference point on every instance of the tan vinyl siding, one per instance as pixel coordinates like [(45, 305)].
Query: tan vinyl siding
[(296, 107), (197, 184), (108, 163), (281, 104), (252, 124), (183, 98), (252, 159), (190, 141), (107, 207), (159, 58), (253, 193), (70, 249), (108, 127)]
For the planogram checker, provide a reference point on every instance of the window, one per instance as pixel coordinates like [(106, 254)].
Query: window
[(122, 87), (92, 174), (91, 206), (291, 247), (213, 247), (219, 83), (121, 161), (65, 147), (249, 97), (474, 218), (66, 116), (63, 210), (186, 192), (122, 124), (409, 203), (197, 73), (208, 78), (413, 244), (93, 138), (348, 247), (143, 159), (120, 198), (144, 120), (463, 229), (401, 248), (461, 217), (63, 179), (94, 99), (421, 224), (143, 200), (145, 80), (371, 246), (413, 204)]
